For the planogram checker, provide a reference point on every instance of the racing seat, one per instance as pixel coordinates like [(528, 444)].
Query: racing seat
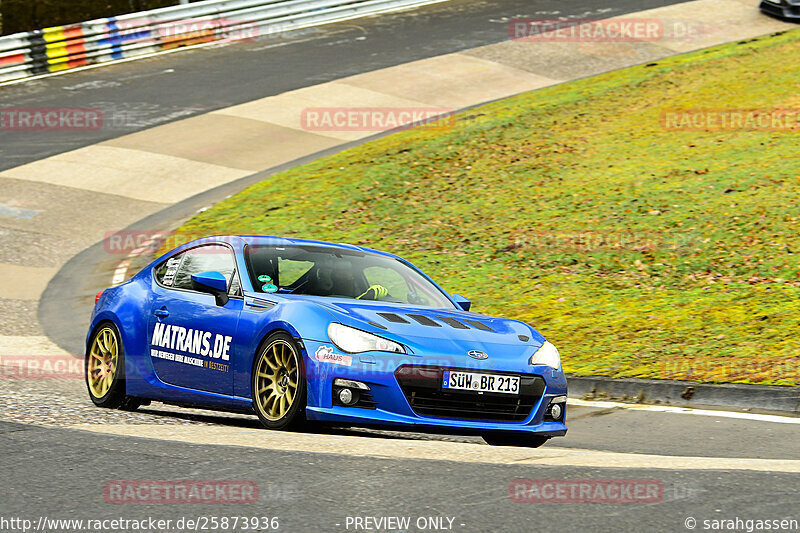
[(333, 280)]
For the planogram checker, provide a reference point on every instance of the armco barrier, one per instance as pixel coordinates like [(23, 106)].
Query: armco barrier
[(104, 40)]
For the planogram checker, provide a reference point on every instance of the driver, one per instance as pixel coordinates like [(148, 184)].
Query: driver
[(375, 292), (335, 280)]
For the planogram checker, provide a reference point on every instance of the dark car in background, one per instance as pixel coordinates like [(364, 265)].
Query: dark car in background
[(784, 9)]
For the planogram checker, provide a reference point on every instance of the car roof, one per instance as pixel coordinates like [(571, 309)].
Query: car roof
[(269, 240)]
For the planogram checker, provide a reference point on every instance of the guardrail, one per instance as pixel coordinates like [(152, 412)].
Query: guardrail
[(50, 50)]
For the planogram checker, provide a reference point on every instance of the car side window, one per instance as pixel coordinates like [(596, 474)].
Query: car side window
[(165, 272), (177, 271), (235, 286)]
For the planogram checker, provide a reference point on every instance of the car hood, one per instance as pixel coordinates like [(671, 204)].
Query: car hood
[(444, 330)]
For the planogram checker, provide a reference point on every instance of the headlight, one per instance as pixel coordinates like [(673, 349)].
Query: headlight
[(547, 354), (353, 340)]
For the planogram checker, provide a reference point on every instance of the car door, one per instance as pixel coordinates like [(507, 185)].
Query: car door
[(191, 337)]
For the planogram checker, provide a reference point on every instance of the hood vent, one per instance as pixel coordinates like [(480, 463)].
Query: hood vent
[(425, 321), (391, 317), (452, 322), (478, 325)]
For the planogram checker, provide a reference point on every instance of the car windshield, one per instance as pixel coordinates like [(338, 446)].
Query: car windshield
[(339, 273)]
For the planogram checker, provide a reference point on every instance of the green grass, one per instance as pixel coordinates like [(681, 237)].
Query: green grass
[(639, 252)]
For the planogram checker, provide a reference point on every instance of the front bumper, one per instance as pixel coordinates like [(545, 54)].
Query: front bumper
[(393, 402), (787, 10)]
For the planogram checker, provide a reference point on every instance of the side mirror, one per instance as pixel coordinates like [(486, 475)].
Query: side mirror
[(462, 302), (212, 283)]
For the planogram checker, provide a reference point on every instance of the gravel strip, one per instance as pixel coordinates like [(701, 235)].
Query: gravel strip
[(64, 402)]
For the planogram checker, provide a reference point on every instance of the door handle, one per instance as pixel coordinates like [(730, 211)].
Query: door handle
[(161, 313)]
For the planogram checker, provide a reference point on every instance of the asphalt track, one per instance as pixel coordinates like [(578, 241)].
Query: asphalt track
[(164, 88), (60, 473), (315, 492), (710, 467)]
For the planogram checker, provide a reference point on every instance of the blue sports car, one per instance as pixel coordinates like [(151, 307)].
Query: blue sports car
[(295, 331)]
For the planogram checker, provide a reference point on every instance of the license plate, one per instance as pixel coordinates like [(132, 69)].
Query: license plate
[(480, 382)]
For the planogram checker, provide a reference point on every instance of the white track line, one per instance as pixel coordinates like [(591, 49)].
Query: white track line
[(121, 272), (685, 411)]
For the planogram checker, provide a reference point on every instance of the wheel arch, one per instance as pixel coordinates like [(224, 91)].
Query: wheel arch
[(276, 328), (99, 323), (116, 397), (299, 417)]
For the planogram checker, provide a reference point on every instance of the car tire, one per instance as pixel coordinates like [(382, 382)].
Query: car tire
[(104, 369), (525, 440), (278, 383)]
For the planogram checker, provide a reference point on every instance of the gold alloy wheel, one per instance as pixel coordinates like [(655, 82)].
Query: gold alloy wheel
[(276, 380), (102, 365)]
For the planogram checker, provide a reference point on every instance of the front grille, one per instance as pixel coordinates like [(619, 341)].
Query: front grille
[(422, 387)]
